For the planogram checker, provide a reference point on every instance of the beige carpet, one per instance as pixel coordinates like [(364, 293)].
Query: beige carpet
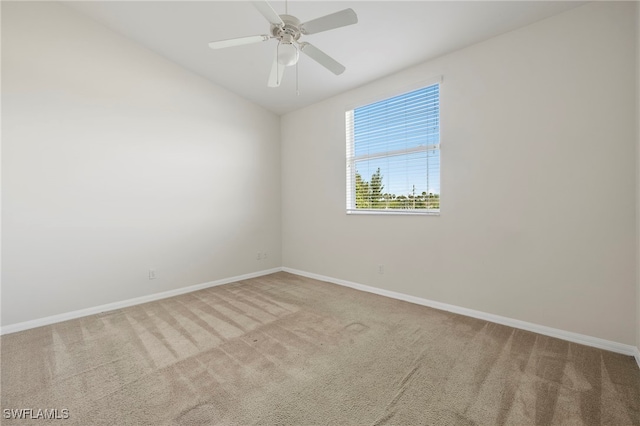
[(282, 349)]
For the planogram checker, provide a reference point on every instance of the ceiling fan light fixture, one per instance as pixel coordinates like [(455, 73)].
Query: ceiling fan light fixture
[(288, 54)]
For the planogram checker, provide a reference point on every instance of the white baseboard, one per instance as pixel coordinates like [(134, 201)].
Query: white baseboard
[(541, 329), (13, 328)]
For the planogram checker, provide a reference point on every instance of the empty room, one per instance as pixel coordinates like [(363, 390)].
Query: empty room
[(320, 213)]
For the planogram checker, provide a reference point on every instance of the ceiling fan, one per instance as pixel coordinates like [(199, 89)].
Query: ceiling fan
[(288, 29)]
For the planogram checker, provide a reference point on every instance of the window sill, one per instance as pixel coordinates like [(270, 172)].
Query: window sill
[(381, 212)]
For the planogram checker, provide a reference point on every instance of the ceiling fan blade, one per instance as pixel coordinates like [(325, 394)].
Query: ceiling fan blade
[(322, 58), (277, 71), (329, 22), (267, 11), (238, 41)]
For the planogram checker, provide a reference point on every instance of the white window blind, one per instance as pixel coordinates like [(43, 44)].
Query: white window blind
[(393, 154)]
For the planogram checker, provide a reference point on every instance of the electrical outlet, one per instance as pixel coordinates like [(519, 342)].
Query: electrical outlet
[(152, 274), (265, 255), (381, 269), (258, 256)]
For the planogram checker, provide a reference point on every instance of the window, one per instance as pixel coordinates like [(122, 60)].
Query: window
[(393, 154)]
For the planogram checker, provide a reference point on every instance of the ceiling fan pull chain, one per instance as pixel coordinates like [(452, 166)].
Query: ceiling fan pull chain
[(297, 90), (278, 64)]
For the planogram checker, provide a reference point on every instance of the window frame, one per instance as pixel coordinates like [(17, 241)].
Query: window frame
[(351, 159)]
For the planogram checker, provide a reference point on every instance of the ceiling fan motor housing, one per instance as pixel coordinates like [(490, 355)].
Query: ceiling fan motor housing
[(288, 34), (291, 29)]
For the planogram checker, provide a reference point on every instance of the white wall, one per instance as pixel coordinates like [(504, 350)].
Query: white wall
[(541, 120), (115, 161), (638, 174)]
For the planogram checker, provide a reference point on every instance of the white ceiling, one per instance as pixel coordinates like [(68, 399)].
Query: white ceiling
[(390, 36)]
